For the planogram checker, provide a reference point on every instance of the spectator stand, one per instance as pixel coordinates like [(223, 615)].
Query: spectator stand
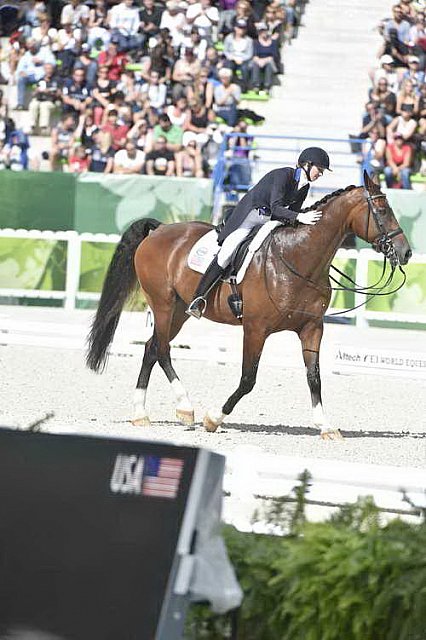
[(239, 166), (394, 122)]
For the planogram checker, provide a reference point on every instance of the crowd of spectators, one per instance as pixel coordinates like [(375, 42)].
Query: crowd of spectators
[(394, 122), (136, 86)]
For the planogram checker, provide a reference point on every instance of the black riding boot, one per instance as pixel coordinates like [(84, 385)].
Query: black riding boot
[(208, 280)]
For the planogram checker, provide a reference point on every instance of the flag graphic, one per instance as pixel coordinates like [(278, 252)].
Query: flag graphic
[(161, 477)]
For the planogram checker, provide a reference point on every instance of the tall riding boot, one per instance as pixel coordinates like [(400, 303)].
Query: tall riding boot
[(210, 278)]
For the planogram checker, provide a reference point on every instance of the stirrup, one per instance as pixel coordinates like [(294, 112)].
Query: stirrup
[(194, 310)]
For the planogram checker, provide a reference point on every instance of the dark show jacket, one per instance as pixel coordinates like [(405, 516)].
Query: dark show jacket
[(277, 193)]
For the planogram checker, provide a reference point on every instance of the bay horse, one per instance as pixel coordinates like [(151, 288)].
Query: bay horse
[(286, 287)]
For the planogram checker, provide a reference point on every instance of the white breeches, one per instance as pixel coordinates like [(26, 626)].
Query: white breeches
[(230, 243)]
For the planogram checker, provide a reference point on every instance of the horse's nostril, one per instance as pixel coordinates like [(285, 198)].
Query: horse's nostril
[(408, 255)]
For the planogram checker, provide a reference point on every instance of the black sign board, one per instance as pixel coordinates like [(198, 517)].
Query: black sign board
[(89, 531)]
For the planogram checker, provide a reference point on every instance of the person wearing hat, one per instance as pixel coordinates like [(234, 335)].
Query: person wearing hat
[(263, 66), (174, 20), (414, 73), (279, 195), (386, 70), (238, 51)]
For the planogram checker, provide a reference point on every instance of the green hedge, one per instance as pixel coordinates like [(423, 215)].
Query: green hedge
[(346, 579)]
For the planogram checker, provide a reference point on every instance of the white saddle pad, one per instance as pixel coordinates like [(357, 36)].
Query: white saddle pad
[(205, 249)]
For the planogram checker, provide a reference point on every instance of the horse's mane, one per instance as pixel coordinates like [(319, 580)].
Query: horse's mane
[(328, 197)]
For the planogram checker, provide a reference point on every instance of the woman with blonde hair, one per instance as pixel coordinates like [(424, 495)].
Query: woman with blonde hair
[(407, 96)]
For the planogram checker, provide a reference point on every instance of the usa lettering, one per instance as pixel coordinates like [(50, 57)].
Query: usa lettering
[(127, 475)]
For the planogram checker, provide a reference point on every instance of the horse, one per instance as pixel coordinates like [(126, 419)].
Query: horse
[(286, 287)]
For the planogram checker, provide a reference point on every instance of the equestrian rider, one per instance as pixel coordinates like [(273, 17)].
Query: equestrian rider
[(279, 195)]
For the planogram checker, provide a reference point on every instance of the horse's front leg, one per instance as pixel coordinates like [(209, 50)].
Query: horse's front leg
[(254, 339), (310, 337)]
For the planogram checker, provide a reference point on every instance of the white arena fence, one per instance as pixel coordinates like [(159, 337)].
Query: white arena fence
[(71, 294)]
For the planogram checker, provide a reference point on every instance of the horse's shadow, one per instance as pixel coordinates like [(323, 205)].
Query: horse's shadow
[(280, 429)]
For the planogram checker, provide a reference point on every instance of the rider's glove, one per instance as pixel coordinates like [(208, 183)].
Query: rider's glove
[(309, 217)]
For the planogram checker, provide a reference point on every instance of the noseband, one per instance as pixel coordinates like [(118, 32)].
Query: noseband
[(383, 243)]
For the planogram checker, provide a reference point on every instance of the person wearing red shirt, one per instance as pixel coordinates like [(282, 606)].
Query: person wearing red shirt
[(118, 131), (113, 60), (399, 156), (78, 161)]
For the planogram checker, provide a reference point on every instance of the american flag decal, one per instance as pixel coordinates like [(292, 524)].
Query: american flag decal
[(161, 477)]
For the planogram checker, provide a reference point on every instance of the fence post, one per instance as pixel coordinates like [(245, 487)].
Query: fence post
[(361, 278), (72, 280)]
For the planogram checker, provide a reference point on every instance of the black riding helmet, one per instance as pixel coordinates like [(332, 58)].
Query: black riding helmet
[(316, 156)]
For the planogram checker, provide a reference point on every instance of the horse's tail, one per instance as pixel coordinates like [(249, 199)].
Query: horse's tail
[(119, 282)]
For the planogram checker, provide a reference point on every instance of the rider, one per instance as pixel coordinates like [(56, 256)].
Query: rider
[(279, 195)]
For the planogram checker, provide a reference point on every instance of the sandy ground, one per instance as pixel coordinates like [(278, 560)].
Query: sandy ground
[(382, 418)]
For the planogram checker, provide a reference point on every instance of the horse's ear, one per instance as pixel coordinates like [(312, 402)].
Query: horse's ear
[(371, 184), (367, 179)]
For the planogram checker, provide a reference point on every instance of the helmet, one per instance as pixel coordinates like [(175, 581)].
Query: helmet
[(316, 156)]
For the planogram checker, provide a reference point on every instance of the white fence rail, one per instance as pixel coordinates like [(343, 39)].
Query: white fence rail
[(71, 292)]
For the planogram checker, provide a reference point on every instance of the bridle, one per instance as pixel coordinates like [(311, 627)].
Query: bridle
[(383, 243)]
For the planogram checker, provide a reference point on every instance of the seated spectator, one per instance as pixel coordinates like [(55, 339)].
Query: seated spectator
[(202, 89), (45, 95), (399, 156), (244, 12), (141, 135), (408, 97), (397, 36), (86, 129), (16, 151), (388, 72), (74, 13), (30, 68), (274, 21), (422, 111), (189, 161), (84, 61), (130, 160), (373, 118), (124, 24), (404, 124), (213, 63), (78, 161), (102, 93), (162, 56), (238, 51), (178, 113), (62, 141), (114, 60), (418, 38), (171, 132), (204, 18), (384, 99), (185, 71), (67, 45), (197, 43), (373, 153), (174, 20), (226, 97), (239, 170), (150, 18), (98, 35), (263, 62), (160, 161), (101, 153), (197, 124), (45, 35), (154, 91), (117, 131), (75, 94), (130, 88), (414, 73)]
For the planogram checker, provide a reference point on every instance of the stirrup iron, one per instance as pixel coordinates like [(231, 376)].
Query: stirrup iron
[(194, 310)]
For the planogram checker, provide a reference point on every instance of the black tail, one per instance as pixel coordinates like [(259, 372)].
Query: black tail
[(119, 282)]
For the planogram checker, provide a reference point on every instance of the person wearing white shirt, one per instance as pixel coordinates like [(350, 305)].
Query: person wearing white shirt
[(129, 160), (204, 17), (74, 12), (30, 68), (175, 21), (124, 23), (154, 91)]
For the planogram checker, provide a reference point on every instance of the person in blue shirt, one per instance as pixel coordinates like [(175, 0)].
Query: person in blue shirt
[(30, 68)]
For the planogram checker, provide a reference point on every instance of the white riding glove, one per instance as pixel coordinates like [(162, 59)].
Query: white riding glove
[(309, 217)]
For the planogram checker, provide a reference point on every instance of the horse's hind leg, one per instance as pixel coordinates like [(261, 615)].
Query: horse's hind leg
[(310, 337), (254, 339), (168, 322)]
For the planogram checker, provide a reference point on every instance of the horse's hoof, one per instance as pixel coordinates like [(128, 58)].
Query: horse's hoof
[(331, 435), (141, 422), (209, 424), (185, 417)]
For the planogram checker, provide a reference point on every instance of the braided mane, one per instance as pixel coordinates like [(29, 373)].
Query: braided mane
[(328, 197)]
